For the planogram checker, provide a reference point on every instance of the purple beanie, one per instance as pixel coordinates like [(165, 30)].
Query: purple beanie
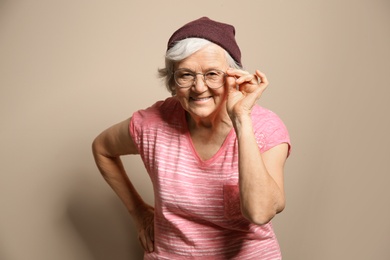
[(219, 33)]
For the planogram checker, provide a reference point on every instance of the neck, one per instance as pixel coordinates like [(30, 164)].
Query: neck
[(221, 120)]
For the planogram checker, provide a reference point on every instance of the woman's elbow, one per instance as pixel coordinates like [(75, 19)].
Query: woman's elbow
[(98, 150), (259, 219), (262, 217), (96, 146)]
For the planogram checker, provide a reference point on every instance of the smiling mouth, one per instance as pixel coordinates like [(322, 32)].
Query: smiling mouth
[(200, 99)]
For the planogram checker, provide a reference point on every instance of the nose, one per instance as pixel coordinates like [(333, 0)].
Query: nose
[(199, 84)]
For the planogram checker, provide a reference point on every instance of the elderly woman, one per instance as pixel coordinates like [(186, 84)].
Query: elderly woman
[(214, 156)]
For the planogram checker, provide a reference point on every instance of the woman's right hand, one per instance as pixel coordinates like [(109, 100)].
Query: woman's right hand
[(107, 149), (144, 222)]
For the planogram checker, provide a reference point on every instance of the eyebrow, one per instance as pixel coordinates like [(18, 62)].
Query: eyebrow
[(208, 69)]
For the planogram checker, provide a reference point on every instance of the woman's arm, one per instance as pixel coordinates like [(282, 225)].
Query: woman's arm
[(260, 175), (107, 149)]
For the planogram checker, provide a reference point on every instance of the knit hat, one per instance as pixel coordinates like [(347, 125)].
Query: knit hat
[(219, 33)]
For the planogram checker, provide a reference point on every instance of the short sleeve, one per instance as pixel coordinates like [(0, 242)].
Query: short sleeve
[(269, 129)]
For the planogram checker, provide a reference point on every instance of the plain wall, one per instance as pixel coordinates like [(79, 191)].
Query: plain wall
[(70, 69)]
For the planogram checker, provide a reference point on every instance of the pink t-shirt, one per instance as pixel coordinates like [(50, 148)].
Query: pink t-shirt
[(197, 212)]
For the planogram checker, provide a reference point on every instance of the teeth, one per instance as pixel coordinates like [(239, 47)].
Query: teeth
[(200, 99)]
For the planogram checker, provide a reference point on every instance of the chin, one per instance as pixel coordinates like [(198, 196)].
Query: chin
[(201, 113)]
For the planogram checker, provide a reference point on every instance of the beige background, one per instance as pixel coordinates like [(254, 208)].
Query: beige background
[(69, 69)]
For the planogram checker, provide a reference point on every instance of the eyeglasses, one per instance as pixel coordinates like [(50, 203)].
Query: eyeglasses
[(185, 78)]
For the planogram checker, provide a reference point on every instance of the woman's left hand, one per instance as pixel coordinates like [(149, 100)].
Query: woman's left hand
[(245, 90)]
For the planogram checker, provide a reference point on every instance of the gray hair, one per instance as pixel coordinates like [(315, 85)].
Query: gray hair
[(180, 51)]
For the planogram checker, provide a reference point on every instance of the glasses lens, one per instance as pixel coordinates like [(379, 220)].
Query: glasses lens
[(215, 78), (184, 78)]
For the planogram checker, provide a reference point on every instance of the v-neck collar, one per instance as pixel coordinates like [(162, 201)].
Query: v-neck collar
[(195, 153)]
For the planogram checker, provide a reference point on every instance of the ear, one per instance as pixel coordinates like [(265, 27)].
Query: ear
[(172, 89)]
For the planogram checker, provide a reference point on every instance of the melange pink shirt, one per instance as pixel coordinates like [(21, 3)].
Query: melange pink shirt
[(197, 211)]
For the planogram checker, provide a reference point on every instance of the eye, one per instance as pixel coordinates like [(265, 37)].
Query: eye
[(184, 75), (214, 75)]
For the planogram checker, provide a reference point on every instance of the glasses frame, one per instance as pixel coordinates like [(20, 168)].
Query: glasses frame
[(198, 73)]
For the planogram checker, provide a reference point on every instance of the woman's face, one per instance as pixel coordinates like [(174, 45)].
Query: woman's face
[(200, 101)]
